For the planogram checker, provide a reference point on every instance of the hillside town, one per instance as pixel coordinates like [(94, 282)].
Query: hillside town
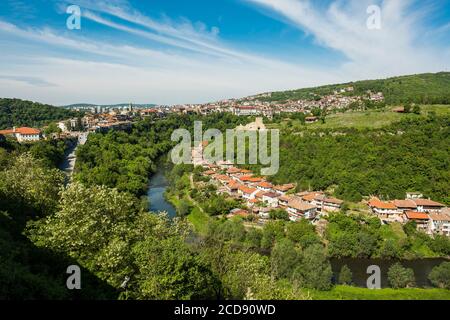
[(104, 118), (260, 197)]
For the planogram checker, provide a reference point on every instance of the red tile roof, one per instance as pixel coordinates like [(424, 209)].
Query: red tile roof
[(285, 187), (271, 195), (427, 203), (299, 205), (233, 170), (405, 204), (333, 200), (439, 216), (22, 130), (233, 185), (377, 203), (260, 194), (413, 215), (247, 190), (311, 196), (265, 184)]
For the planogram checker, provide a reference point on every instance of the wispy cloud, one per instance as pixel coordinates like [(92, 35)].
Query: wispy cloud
[(342, 27), (191, 63), (34, 81)]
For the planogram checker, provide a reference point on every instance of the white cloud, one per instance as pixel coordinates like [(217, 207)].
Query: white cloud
[(392, 50), (195, 65), (138, 74)]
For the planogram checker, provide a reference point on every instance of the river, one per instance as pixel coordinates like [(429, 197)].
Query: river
[(421, 268), (157, 186)]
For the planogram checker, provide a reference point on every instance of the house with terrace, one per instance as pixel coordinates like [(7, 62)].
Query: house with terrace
[(429, 206), (331, 204), (299, 209)]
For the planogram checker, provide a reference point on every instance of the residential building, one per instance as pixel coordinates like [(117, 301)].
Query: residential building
[(381, 208), (439, 223), (405, 205), (265, 186), (298, 209), (427, 205), (331, 204), (23, 134), (420, 218), (247, 192), (282, 189), (271, 198)]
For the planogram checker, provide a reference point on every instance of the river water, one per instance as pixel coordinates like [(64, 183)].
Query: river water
[(421, 268), (157, 186)]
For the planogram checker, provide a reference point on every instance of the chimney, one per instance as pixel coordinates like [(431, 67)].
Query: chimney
[(14, 129)]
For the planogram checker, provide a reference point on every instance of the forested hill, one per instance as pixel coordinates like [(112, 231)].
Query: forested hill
[(427, 88), (16, 112)]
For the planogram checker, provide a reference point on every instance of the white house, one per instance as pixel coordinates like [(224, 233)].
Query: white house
[(382, 208), (427, 205), (247, 192), (23, 134), (331, 204), (271, 198), (299, 209), (439, 223)]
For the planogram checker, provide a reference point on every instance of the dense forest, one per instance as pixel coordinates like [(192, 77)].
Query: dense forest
[(425, 88), (16, 112)]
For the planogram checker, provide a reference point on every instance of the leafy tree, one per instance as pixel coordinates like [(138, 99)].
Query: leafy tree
[(302, 232), (30, 188), (345, 275), (314, 270), (278, 214), (272, 231), (400, 277), (52, 128), (407, 108), (92, 226), (184, 208), (440, 275), (283, 259)]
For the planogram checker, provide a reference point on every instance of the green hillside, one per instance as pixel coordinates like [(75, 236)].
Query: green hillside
[(16, 112), (427, 88)]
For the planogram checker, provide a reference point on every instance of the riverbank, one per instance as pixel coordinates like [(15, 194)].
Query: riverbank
[(355, 293)]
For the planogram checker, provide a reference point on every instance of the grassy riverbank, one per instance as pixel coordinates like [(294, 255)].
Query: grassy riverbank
[(354, 293)]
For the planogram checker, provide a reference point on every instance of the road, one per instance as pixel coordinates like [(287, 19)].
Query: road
[(68, 164)]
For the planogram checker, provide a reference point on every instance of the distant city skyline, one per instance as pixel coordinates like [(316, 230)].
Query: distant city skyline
[(173, 52)]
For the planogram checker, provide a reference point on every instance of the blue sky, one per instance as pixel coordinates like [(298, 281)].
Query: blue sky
[(179, 51)]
